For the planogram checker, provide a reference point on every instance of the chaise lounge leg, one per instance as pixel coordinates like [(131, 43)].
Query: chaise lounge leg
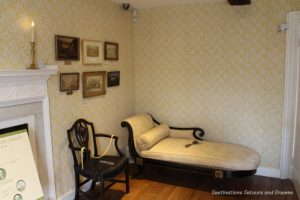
[(138, 169), (219, 184), (127, 179)]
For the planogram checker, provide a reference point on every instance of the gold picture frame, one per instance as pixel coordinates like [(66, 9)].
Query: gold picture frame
[(92, 52), (69, 81), (93, 83)]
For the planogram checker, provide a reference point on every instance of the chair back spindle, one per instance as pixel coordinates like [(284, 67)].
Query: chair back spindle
[(78, 136)]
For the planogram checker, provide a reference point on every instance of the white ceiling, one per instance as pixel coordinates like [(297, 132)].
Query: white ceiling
[(160, 3)]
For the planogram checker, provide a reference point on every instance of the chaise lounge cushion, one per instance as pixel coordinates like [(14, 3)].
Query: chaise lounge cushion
[(205, 154), (153, 136)]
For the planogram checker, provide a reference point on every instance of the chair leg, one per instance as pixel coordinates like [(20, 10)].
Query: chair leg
[(93, 185), (102, 195), (77, 186), (127, 179)]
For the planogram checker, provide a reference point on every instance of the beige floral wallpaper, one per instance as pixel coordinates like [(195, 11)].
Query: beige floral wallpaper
[(208, 65), (217, 67), (87, 19)]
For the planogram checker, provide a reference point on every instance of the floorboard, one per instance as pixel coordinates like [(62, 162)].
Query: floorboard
[(157, 183)]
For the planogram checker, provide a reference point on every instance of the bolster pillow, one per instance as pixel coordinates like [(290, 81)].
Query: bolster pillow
[(153, 136)]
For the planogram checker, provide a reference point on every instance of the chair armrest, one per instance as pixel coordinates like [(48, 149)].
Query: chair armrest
[(116, 138), (198, 133), (105, 135)]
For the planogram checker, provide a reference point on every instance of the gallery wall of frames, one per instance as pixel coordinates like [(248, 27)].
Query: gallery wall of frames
[(93, 52)]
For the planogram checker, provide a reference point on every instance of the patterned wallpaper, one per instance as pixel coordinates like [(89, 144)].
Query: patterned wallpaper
[(217, 67), (208, 65), (91, 19)]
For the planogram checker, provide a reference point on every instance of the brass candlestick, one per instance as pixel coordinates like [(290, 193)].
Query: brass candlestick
[(32, 66)]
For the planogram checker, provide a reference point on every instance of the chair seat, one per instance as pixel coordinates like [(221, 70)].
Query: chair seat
[(103, 168), (210, 154)]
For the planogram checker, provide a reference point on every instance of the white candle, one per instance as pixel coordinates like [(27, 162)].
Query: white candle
[(32, 35)]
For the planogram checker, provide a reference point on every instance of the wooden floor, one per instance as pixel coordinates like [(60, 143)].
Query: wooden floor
[(161, 184)]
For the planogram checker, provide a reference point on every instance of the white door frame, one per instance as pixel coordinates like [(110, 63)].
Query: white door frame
[(290, 96)]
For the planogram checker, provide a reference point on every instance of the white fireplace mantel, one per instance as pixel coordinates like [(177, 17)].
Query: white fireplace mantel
[(24, 86), (19, 87)]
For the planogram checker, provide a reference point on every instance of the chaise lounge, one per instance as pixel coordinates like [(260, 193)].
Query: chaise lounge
[(184, 148)]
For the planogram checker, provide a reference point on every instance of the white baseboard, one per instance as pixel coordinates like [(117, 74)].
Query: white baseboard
[(71, 194), (296, 180), (269, 172)]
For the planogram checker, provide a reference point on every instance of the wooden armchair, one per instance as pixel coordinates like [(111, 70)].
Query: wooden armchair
[(96, 168)]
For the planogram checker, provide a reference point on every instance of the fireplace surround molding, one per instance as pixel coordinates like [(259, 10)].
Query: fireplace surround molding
[(18, 87)]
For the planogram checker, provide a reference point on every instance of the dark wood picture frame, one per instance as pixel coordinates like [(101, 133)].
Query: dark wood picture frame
[(93, 83), (69, 81), (67, 48), (113, 78), (111, 51)]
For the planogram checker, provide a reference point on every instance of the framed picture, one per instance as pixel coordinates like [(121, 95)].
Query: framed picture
[(93, 83), (69, 82), (92, 52), (111, 51), (113, 79), (67, 48)]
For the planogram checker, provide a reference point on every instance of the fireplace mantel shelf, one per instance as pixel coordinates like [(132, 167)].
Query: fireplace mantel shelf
[(24, 86), (48, 71)]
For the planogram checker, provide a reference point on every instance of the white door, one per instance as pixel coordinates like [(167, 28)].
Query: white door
[(290, 160), (296, 150)]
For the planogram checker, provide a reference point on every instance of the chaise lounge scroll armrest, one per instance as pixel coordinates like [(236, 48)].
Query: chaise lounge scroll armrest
[(116, 138), (198, 133)]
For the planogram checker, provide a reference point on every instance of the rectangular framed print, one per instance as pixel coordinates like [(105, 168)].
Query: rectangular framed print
[(93, 83), (113, 78), (69, 81), (111, 51), (92, 52), (67, 48)]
